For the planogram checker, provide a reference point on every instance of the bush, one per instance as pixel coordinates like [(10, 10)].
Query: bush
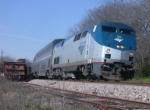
[(145, 72)]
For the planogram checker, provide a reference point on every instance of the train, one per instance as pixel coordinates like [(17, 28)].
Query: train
[(106, 51), (17, 71)]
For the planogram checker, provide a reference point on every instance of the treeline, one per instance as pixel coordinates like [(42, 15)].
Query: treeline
[(5, 59), (135, 13)]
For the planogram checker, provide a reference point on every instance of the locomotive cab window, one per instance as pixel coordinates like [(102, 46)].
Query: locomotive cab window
[(84, 34), (109, 29), (62, 44), (77, 37), (126, 31)]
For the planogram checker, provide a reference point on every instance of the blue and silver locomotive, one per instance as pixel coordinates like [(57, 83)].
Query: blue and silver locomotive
[(106, 50)]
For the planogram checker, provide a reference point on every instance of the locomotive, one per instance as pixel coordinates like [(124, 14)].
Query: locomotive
[(106, 50)]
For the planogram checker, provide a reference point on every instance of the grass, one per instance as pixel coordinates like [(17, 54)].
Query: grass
[(141, 80), (15, 97)]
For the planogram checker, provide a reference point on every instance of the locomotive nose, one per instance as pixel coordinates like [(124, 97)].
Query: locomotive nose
[(115, 55)]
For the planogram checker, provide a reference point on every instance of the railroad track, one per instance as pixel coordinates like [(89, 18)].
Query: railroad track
[(101, 102), (112, 82), (105, 82)]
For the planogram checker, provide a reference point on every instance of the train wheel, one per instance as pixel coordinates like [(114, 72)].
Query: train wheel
[(105, 79), (9, 77), (83, 70), (48, 75), (36, 75), (98, 78), (63, 74), (60, 77), (78, 76), (88, 77), (17, 78)]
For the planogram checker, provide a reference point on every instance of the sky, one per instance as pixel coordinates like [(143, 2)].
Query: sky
[(26, 26)]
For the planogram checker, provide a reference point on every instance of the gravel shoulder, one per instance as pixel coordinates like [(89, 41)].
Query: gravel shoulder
[(127, 92)]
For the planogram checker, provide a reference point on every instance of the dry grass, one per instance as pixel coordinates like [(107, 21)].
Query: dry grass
[(15, 97)]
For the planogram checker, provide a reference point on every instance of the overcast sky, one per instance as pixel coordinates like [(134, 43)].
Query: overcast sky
[(26, 26)]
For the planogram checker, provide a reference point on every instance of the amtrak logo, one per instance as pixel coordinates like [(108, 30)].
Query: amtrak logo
[(81, 48), (119, 38)]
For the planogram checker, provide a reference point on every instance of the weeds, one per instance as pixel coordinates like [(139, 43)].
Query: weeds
[(15, 97), (141, 80)]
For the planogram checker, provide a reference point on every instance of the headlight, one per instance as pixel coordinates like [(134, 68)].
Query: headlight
[(131, 53), (108, 50), (118, 46), (122, 46)]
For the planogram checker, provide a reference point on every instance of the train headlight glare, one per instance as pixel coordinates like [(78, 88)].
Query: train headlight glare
[(122, 46), (118, 46), (131, 53), (108, 50)]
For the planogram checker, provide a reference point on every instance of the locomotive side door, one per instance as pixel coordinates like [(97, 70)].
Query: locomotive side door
[(50, 64), (87, 46)]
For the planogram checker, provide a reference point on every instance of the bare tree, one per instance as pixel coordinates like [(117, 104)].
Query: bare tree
[(5, 59), (29, 63)]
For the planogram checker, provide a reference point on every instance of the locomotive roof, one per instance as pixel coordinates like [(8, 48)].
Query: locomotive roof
[(117, 24)]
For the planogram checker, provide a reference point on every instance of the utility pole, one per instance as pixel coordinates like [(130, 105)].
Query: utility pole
[(1, 55), (1, 66)]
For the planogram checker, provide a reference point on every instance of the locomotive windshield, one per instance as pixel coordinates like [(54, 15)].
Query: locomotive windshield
[(109, 29), (126, 31)]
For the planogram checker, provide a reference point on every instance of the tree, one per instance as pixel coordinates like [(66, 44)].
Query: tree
[(5, 59), (29, 63)]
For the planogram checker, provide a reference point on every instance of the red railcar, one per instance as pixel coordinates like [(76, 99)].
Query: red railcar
[(15, 70)]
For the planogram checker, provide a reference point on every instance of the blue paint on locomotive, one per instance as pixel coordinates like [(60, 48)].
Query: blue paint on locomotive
[(111, 38), (119, 34), (81, 48)]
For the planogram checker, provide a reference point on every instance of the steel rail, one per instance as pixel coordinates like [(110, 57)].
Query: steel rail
[(109, 82), (98, 105), (95, 104), (100, 97)]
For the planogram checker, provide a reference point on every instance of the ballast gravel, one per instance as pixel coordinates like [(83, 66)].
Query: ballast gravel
[(127, 92)]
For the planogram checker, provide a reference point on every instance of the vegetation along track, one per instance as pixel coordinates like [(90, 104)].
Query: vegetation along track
[(101, 102)]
